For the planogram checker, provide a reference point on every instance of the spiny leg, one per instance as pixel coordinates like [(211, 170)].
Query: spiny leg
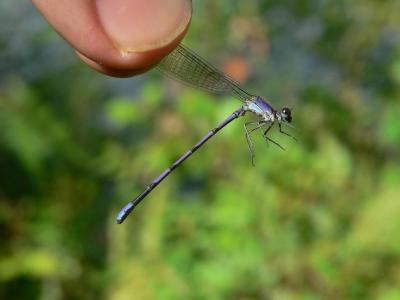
[(250, 144), (248, 137), (264, 134), (281, 131), (269, 139)]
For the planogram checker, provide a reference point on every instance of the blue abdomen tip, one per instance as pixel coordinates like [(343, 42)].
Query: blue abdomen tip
[(124, 212)]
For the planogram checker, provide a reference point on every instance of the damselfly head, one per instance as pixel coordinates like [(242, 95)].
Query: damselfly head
[(286, 114)]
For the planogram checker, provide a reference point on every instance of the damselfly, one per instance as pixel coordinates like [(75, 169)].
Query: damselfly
[(186, 66)]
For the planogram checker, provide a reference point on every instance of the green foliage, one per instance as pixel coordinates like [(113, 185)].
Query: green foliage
[(317, 221)]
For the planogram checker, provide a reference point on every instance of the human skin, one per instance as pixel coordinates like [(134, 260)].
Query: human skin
[(119, 37)]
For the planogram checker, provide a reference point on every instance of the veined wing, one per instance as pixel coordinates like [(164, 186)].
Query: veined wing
[(187, 67)]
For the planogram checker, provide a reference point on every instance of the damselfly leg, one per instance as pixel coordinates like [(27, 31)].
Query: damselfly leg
[(248, 138), (248, 132), (281, 131), (268, 139)]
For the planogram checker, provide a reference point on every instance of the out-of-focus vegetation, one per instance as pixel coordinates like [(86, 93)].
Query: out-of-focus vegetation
[(320, 220)]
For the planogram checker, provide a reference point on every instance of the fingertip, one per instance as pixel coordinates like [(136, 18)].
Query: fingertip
[(143, 25), (119, 44), (131, 64), (142, 31), (114, 72)]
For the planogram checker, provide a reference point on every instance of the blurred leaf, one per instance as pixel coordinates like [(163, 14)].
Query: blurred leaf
[(37, 263), (152, 93), (389, 294), (396, 70), (389, 129), (370, 233), (122, 112)]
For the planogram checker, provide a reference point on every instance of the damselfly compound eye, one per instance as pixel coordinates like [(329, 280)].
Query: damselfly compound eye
[(286, 114)]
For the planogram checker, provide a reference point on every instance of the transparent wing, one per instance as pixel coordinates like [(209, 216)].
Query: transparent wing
[(189, 68)]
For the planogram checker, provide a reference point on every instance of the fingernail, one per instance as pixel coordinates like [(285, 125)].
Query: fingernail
[(142, 25)]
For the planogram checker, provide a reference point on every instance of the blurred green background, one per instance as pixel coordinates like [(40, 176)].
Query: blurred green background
[(320, 220)]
